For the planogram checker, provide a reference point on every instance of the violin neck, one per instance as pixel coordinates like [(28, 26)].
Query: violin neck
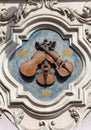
[(49, 53)]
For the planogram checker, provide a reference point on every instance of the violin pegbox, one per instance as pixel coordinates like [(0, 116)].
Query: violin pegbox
[(50, 45)]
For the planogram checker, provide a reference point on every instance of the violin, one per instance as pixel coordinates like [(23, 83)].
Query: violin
[(46, 56), (64, 68), (45, 76), (29, 67)]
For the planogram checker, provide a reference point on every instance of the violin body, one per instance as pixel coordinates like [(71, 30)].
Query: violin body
[(29, 67), (50, 79), (45, 76), (64, 68)]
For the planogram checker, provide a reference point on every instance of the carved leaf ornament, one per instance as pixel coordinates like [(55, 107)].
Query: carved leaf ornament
[(22, 11)]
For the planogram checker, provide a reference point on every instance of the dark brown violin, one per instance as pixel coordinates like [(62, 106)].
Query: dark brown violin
[(45, 76), (29, 67)]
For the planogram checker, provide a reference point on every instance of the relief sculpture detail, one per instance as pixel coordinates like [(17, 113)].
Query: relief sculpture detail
[(46, 64), (45, 61)]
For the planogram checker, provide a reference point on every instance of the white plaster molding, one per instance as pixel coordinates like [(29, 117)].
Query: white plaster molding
[(24, 9), (36, 26)]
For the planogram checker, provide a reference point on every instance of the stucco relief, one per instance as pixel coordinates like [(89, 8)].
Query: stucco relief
[(24, 9), (21, 100), (2, 36)]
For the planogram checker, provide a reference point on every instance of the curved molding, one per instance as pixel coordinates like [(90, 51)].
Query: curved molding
[(62, 100), (24, 9), (84, 17)]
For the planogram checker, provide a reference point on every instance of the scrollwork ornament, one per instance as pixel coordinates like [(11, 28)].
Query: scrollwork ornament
[(18, 116), (50, 125), (21, 12), (2, 35), (46, 125), (51, 4), (6, 14), (25, 9), (84, 17), (3, 14), (74, 114), (88, 34), (37, 4)]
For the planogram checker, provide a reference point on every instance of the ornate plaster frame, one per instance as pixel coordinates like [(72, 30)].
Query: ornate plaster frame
[(19, 105)]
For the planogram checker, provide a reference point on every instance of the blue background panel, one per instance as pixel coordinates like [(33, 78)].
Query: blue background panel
[(26, 52)]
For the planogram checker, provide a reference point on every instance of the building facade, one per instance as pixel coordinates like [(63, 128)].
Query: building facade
[(45, 63)]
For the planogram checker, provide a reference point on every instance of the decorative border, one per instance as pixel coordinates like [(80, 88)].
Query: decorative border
[(23, 11), (17, 116)]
